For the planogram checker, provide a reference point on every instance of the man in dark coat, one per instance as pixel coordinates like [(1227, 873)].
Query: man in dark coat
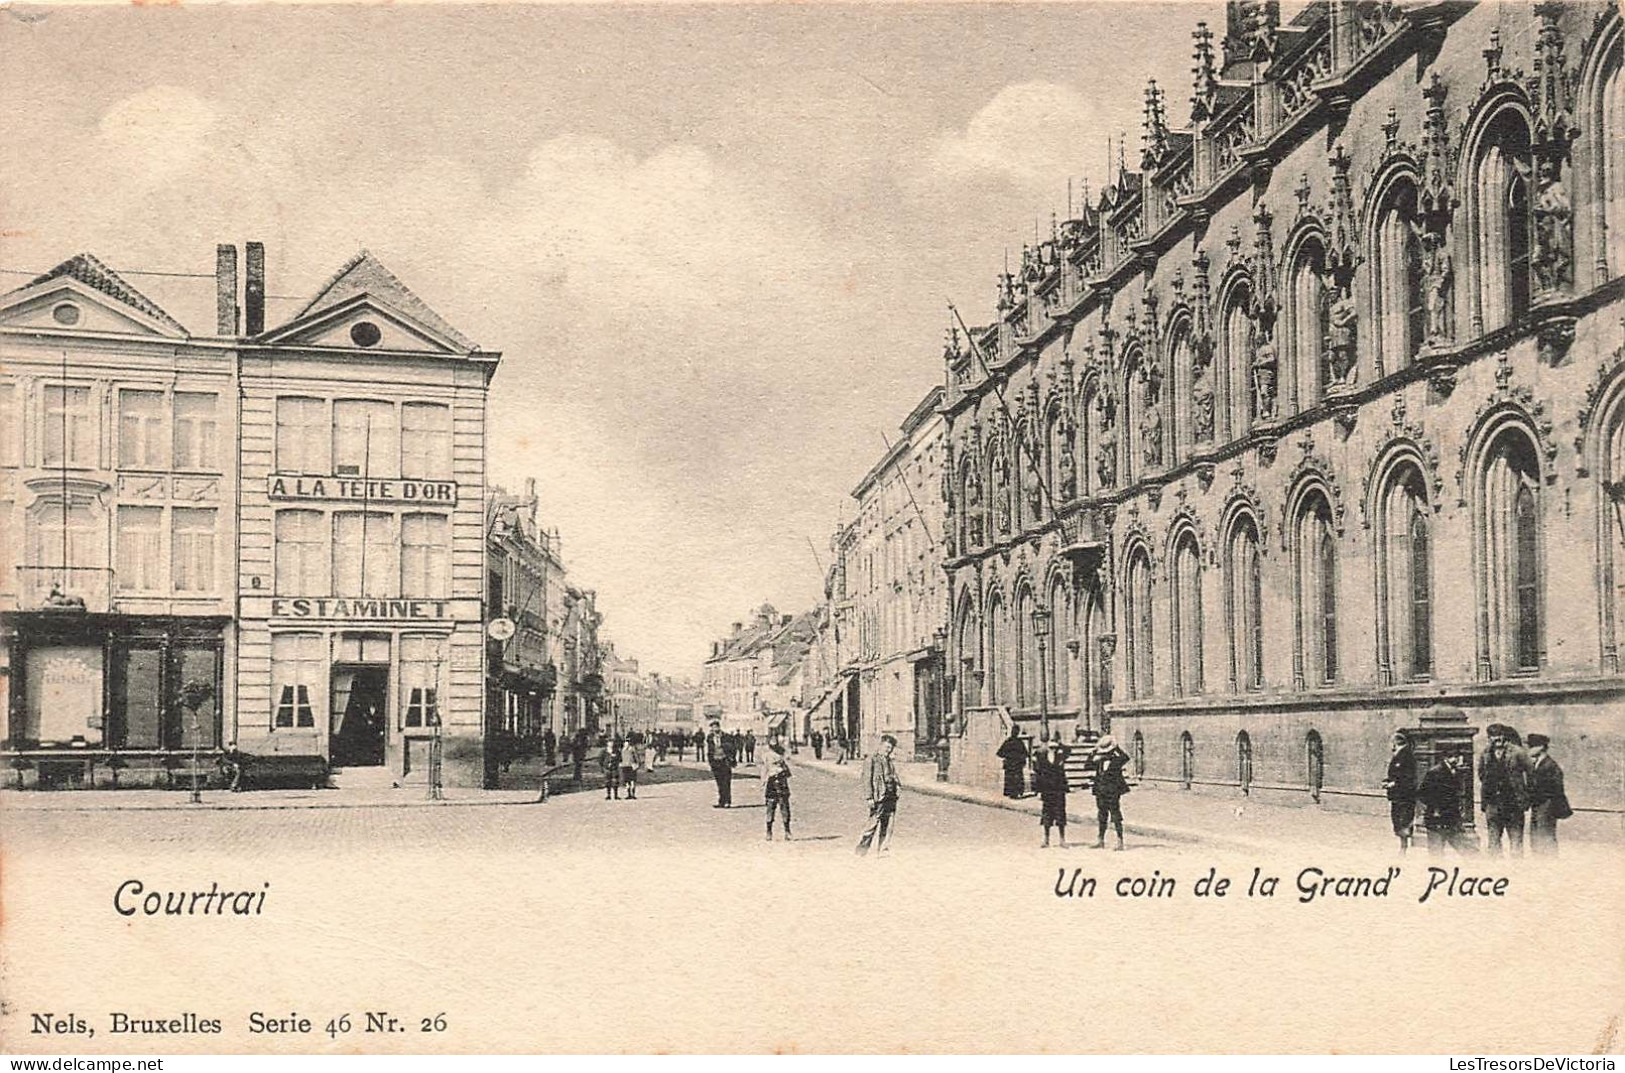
[(1049, 780), (699, 745), (880, 790), (818, 744), (550, 746), (1441, 794), (750, 746), (1400, 786), (1503, 781), (1013, 754), (722, 769), (1548, 803), (1110, 786)]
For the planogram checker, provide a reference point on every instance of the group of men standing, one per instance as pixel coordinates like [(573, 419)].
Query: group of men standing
[(1516, 775)]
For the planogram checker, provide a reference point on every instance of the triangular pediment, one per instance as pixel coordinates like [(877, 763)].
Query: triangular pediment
[(362, 324), (84, 295), (364, 292)]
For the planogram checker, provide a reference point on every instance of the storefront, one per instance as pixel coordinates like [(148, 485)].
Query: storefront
[(361, 683), (100, 699)]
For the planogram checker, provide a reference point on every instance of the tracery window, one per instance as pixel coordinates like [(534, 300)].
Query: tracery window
[(1405, 576), (1400, 302), (1510, 576), (1138, 615), (1244, 598), (1239, 340), (1310, 367), (1316, 565), (1186, 586), (1503, 222)]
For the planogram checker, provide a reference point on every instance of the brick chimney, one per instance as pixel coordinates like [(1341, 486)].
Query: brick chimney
[(254, 289), (225, 289)]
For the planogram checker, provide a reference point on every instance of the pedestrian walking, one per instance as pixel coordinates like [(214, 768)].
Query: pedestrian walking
[(841, 751), (631, 760), (1013, 755), (776, 787), (699, 746), (609, 759), (1503, 781), (680, 739), (1548, 803), (721, 768), (550, 745), (818, 745), (880, 787), (1049, 780), (1440, 794), (750, 746), (1110, 786), (1400, 786)]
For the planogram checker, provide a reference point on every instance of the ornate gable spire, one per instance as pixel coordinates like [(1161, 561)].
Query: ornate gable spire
[(1552, 86), (1155, 124), (1205, 79), (1437, 200)]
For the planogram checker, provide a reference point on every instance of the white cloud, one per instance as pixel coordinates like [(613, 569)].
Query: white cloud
[(1034, 135), (158, 131)]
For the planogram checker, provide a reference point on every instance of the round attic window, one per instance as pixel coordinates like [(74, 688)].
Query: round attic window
[(365, 333), (66, 313)]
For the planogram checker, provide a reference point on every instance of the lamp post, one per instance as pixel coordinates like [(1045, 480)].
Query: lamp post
[(1041, 621)]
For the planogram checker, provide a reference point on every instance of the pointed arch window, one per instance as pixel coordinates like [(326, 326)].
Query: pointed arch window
[(1511, 597), (1180, 400), (1061, 645), (1138, 616), (1239, 338), (1317, 591), (1244, 591), (1133, 418), (1311, 370), (1503, 221), (1244, 761), (1026, 657), (1405, 577), (993, 653), (1187, 616), (1612, 148), (1315, 762), (1401, 305)]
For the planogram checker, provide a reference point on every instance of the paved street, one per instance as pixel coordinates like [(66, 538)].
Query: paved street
[(672, 810)]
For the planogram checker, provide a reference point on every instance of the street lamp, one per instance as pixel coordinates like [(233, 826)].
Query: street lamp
[(1041, 621)]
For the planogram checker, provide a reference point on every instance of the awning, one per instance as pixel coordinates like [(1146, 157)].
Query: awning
[(775, 720)]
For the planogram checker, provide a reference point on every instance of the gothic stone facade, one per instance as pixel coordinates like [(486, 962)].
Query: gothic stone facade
[(1314, 426)]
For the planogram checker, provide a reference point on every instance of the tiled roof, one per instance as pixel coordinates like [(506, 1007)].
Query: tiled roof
[(88, 270), (365, 274)]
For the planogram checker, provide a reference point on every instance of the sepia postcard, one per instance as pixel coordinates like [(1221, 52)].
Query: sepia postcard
[(827, 528)]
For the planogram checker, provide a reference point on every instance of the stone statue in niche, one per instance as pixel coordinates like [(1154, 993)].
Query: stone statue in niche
[(1341, 322), (1151, 425), (1554, 231), (1438, 274), (1202, 406), (1035, 494), (1068, 467), (1264, 379), (1106, 451)]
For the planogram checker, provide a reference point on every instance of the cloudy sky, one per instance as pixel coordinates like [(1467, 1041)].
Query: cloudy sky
[(715, 244)]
